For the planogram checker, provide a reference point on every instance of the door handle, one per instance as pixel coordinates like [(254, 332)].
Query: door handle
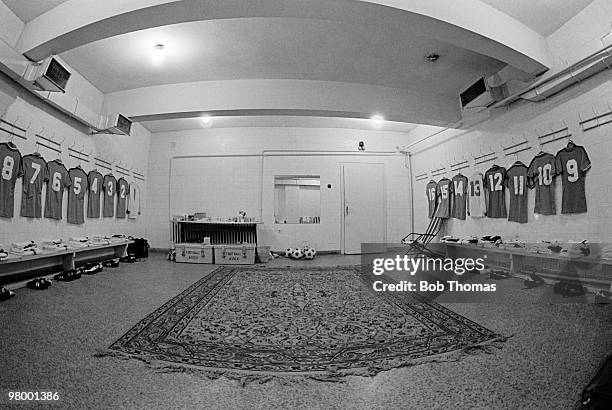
[(346, 209)]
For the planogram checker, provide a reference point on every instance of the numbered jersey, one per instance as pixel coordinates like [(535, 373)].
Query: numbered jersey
[(10, 170), (476, 196), (542, 173), (430, 191), (133, 205), (110, 189), (494, 186), (572, 163), (123, 190), (58, 181), (76, 196), (35, 174), (95, 184), (444, 191), (516, 181), (459, 198)]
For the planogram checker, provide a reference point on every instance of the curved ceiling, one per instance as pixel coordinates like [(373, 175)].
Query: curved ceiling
[(319, 57)]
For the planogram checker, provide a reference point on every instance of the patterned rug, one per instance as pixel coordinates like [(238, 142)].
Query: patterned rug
[(313, 321)]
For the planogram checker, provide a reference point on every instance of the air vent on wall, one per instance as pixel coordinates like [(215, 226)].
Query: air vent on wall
[(48, 75), (115, 124)]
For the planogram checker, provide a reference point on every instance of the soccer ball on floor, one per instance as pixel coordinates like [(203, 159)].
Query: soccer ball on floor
[(288, 252), (309, 253), (296, 253)]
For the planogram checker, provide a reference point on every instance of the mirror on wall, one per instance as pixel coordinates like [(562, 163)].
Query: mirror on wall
[(297, 199)]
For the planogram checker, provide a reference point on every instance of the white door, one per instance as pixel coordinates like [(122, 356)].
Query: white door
[(364, 216)]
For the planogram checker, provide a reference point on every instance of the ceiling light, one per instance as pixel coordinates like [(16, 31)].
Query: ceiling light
[(159, 53), (432, 57), (206, 120), (377, 120)]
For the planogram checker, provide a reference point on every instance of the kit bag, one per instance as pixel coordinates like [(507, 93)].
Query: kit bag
[(140, 248)]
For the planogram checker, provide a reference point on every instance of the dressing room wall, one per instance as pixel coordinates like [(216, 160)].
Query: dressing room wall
[(525, 122), (582, 35), (223, 186), (21, 108)]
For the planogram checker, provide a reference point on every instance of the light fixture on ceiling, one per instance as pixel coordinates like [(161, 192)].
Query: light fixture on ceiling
[(206, 120), (159, 53), (377, 120)]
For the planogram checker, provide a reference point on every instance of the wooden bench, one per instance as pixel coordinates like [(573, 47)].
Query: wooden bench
[(17, 270), (551, 267)]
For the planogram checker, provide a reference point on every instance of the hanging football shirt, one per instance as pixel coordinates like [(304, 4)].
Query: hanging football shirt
[(133, 204), (58, 181), (443, 194), (35, 174), (542, 173), (476, 201), (516, 181), (76, 196), (460, 189), (123, 190), (494, 187), (430, 191), (10, 170), (110, 188), (572, 163), (94, 183)]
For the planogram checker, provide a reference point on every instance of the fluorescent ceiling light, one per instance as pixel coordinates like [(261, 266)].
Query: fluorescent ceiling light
[(159, 53), (377, 120), (206, 120)]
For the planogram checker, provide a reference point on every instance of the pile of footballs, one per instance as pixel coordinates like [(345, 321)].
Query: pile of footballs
[(305, 252)]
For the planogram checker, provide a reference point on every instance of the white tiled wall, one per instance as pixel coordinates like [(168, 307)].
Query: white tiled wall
[(28, 112), (527, 120), (223, 186)]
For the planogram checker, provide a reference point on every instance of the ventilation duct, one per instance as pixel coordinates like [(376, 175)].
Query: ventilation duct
[(48, 80)]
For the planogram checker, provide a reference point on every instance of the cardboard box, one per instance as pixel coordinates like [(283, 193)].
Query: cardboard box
[(240, 254), (194, 253)]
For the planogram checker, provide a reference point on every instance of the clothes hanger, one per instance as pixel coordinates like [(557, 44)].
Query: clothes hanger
[(570, 144)]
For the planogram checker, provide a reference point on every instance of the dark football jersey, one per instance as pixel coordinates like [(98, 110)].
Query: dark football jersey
[(572, 163), (95, 186), (35, 174), (430, 191), (494, 186), (541, 174), (459, 198), (516, 181), (58, 181), (123, 190), (477, 205), (110, 189), (10, 170), (76, 196), (444, 190)]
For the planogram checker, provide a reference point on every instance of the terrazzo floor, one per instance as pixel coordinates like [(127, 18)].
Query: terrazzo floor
[(48, 341)]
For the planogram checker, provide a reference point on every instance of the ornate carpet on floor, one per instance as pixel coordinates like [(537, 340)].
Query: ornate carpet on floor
[(313, 321)]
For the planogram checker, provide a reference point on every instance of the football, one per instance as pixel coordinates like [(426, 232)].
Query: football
[(309, 253), (296, 253), (288, 252)]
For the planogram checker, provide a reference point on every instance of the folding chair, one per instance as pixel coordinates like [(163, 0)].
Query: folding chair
[(419, 241)]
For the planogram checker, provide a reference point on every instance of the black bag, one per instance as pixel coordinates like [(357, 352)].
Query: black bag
[(140, 248)]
